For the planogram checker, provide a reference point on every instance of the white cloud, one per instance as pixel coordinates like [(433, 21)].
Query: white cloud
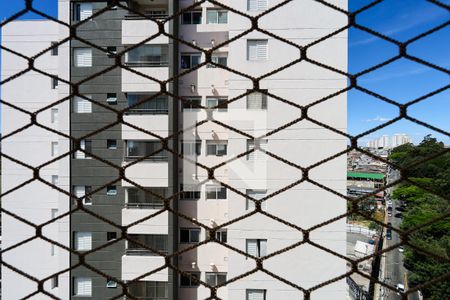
[(378, 119)]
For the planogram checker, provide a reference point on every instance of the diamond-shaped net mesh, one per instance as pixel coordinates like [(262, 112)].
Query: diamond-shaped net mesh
[(168, 148)]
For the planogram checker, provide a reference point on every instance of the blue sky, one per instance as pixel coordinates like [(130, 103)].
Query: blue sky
[(401, 81)]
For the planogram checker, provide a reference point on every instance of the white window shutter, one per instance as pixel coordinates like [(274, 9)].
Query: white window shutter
[(81, 105), (83, 286), (80, 154), (79, 191), (252, 5), (85, 11), (252, 51), (83, 240), (83, 57), (261, 50), (261, 5), (254, 100), (262, 247), (252, 247)]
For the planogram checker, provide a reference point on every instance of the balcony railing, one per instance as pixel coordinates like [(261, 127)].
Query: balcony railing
[(151, 16), (147, 111), (154, 205), (137, 64), (143, 252)]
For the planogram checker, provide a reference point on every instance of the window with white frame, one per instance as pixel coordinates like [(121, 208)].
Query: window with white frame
[(256, 154), (82, 105), (190, 192), (216, 192), (55, 148), (257, 5), (256, 195), (54, 115), (54, 282), (82, 241), (192, 17), (189, 235), (191, 147), (220, 103), (218, 58), (190, 60), (253, 294), (55, 180), (257, 100), (85, 145), (82, 11), (215, 278), (192, 103), (221, 235), (190, 280), (216, 16), (55, 83), (80, 191), (82, 57), (82, 286), (216, 147), (256, 247), (257, 50)]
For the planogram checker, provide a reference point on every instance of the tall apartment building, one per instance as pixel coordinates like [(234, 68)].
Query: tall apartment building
[(211, 131)]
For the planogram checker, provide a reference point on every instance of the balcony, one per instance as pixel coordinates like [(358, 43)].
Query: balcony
[(156, 225), (158, 124), (136, 265), (135, 30), (132, 82), (148, 173)]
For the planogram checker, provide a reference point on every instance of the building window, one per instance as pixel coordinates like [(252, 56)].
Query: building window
[(111, 190), (111, 236), (82, 105), (139, 149), (82, 286), (214, 278), (54, 282), (82, 11), (191, 147), (82, 57), (55, 83), (192, 17), (216, 147), (255, 294), (190, 60), (217, 103), (158, 290), (85, 145), (257, 49), (80, 192), (54, 115), (257, 100), (138, 244), (189, 235), (111, 144), (139, 198), (216, 192), (257, 5), (220, 59), (191, 192), (257, 195), (112, 51), (147, 104), (111, 98), (192, 103), (111, 284), (55, 149), (54, 51), (148, 56), (256, 154), (221, 235), (54, 213), (216, 16), (190, 280), (55, 180), (256, 247), (82, 240)]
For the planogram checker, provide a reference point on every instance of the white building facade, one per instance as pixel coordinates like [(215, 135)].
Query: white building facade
[(213, 131)]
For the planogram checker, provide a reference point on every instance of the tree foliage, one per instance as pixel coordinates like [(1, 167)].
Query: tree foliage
[(432, 180)]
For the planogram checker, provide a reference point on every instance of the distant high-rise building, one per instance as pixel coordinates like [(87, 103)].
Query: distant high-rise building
[(400, 139)]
